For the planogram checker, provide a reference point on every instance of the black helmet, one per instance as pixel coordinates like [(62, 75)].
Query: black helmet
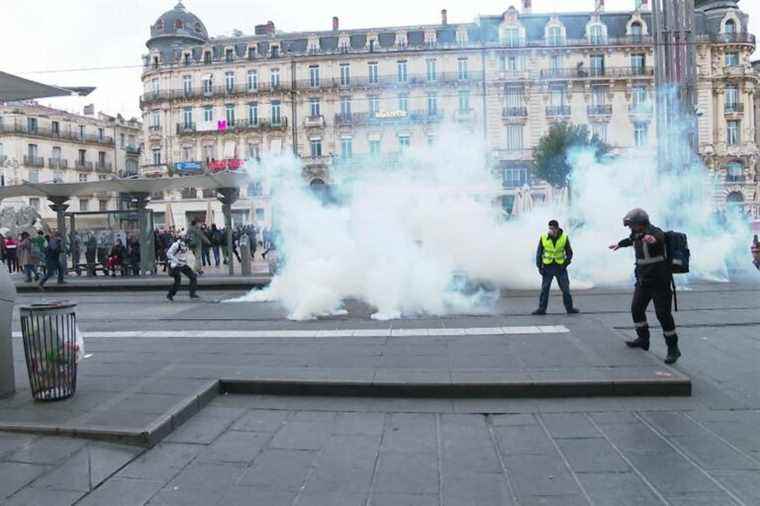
[(636, 217)]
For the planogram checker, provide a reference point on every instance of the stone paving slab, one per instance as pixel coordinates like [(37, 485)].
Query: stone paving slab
[(238, 452)]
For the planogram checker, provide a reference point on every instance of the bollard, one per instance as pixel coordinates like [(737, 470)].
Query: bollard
[(7, 299), (245, 258)]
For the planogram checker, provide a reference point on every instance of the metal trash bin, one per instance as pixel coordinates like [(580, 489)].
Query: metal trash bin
[(49, 332)]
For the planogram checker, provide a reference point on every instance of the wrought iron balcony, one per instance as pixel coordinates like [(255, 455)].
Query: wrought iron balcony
[(104, 167), (558, 110), (514, 112), (731, 178), (314, 121), (594, 72), (641, 108), (599, 110), (733, 108), (34, 161), (84, 166), (58, 163)]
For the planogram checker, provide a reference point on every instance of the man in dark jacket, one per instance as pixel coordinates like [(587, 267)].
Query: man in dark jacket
[(53, 260), (653, 280), (553, 256)]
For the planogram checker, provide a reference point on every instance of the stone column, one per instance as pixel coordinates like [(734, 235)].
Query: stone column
[(228, 196), (59, 206), (139, 201)]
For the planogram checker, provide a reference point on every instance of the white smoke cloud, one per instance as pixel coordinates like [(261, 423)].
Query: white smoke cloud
[(403, 237)]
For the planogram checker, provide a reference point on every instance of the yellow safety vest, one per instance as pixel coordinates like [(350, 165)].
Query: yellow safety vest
[(554, 252)]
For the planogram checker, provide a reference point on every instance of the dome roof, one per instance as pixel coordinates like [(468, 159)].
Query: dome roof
[(178, 22)]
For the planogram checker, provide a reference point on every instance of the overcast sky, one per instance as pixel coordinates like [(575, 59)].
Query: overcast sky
[(51, 35)]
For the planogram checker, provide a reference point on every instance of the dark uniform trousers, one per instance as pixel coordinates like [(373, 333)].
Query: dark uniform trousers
[(176, 273), (550, 272), (663, 299)]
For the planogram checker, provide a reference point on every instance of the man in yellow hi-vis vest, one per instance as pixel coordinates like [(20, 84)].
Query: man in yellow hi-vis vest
[(552, 258)]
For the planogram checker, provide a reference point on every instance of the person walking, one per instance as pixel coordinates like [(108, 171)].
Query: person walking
[(177, 257), (53, 260), (653, 281), (553, 256), (195, 241), (26, 259), (206, 246), (11, 254), (216, 242)]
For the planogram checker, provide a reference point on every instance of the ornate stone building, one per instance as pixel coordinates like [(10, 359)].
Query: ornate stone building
[(344, 94)]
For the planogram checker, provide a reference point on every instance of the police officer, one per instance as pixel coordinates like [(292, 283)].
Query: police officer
[(653, 280), (553, 256)]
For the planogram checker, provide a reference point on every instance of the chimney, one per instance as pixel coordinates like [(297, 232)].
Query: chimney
[(599, 5), (444, 17), (526, 6), (336, 24), (89, 110), (267, 29), (270, 28)]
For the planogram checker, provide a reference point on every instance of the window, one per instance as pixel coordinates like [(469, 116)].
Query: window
[(515, 97), (31, 125), (154, 83), (82, 177), (56, 153), (345, 74), (314, 76), (84, 204), (732, 133), (275, 113), (432, 104), (508, 63), (462, 71), (345, 106), (229, 81), (156, 156), (512, 37), (122, 139), (101, 133), (732, 59), (464, 100), (102, 205), (346, 147), (558, 96), (208, 113), (598, 95), (404, 142), (372, 69), (636, 31), (208, 85), (374, 104), (315, 147), (432, 69), (732, 97), (229, 114), (253, 152), (554, 36), (734, 171), (374, 147), (275, 51), (596, 34), (82, 158), (555, 63), (31, 151), (514, 137), (730, 26), (640, 133), (81, 131), (314, 107), (209, 152), (34, 203), (253, 80), (515, 177), (187, 118), (155, 119), (228, 54), (260, 214), (597, 64), (274, 77), (402, 75), (187, 153), (639, 95), (207, 57), (638, 62), (253, 113), (187, 85), (101, 158), (599, 130), (34, 176), (55, 128), (403, 103)]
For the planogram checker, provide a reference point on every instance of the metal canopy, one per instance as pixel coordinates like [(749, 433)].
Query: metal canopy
[(138, 185), (17, 88)]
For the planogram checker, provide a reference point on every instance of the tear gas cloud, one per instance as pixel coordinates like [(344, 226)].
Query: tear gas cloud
[(402, 237)]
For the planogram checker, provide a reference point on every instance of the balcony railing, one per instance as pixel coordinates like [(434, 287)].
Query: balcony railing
[(34, 161), (733, 107), (314, 121), (104, 167), (599, 110), (558, 110), (58, 163), (727, 38), (593, 72), (154, 128), (514, 112), (212, 91), (49, 132), (730, 178), (236, 126), (84, 166), (132, 149)]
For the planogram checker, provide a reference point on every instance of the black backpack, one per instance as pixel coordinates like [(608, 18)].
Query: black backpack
[(677, 252)]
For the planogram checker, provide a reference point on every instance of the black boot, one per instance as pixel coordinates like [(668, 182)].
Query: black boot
[(639, 342), (673, 352)]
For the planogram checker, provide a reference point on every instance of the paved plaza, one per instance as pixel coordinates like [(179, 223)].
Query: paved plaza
[(216, 403)]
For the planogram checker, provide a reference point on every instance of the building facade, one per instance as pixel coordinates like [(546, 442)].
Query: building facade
[(44, 145), (336, 95)]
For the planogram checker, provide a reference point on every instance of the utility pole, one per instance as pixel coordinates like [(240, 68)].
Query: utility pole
[(675, 83)]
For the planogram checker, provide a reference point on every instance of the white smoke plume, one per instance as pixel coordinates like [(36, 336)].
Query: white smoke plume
[(403, 237)]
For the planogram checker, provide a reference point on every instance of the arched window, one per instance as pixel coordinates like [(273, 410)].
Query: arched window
[(735, 198), (636, 31), (596, 34), (554, 36), (512, 36), (198, 27), (730, 26), (178, 24)]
